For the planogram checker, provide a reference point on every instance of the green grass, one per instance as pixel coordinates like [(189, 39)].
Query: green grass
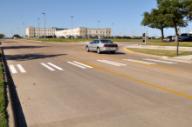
[(160, 52), (139, 41), (62, 40), (3, 116), (82, 40)]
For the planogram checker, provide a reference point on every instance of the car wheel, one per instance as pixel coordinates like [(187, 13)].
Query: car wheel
[(98, 51), (87, 49), (113, 52)]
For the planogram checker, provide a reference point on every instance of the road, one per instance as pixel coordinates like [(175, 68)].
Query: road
[(62, 85)]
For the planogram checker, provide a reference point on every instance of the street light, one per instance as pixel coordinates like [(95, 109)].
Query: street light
[(72, 18), (44, 16)]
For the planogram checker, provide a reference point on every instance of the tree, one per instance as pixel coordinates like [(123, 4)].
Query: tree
[(155, 19), (187, 4), (173, 11), (2, 36), (16, 36)]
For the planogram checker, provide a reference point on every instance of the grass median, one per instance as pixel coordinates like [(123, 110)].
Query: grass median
[(3, 116), (168, 53)]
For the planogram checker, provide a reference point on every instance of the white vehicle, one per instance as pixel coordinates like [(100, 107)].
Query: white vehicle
[(102, 45)]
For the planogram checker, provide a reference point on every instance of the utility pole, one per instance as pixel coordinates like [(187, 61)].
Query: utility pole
[(72, 18), (44, 16)]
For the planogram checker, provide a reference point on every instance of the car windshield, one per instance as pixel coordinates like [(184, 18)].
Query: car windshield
[(106, 41)]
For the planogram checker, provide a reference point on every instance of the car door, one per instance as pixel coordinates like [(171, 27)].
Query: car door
[(91, 45), (95, 45)]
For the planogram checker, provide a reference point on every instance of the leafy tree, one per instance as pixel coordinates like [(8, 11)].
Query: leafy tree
[(187, 4), (173, 11), (155, 19), (16, 36), (2, 36)]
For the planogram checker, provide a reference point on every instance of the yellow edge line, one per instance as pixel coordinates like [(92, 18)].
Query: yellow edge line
[(142, 82)]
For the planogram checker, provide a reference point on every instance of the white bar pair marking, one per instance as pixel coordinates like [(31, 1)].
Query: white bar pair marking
[(51, 66), (139, 61), (112, 63), (160, 61), (14, 68), (80, 65)]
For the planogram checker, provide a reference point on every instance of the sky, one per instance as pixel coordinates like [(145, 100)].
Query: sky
[(123, 16)]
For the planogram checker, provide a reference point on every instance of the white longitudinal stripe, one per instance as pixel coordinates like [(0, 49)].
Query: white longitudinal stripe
[(21, 69), (139, 61), (55, 66), (82, 64), (12, 69), (112, 63), (177, 60), (160, 61), (48, 67), (77, 65)]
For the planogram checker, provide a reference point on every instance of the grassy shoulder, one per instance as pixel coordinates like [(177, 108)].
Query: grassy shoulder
[(161, 43), (3, 116), (160, 52), (81, 40)]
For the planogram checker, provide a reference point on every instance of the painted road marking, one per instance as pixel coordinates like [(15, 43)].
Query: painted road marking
[(139, 61), (111, 63), (77, 65), (177, 60), (48, 67), (82, 64), (21, 69), (13, 69), (160, 61), (55, 66)]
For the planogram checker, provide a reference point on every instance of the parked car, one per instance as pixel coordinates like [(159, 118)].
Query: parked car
[(185, 37), (169, 39), (102, 45)]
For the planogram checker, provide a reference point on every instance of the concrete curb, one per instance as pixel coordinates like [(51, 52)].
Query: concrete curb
[(16, 112)]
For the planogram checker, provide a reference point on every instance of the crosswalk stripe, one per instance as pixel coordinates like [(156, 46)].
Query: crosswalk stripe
[(139, 61), (55, 66), (21, 69), (112, 63), (77, 65), (177, 60), (82, 64), (13, 69), (160, 61), (48, 67)]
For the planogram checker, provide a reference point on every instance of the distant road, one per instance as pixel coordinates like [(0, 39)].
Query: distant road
[(61, 85)]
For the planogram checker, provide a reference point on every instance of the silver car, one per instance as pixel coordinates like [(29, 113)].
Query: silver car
[(101, 45)]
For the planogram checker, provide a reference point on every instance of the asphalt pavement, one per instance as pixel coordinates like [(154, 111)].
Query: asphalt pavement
[(62, 85)]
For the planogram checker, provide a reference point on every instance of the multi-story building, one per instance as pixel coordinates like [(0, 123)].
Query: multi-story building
[(32, 32), (84, 32)]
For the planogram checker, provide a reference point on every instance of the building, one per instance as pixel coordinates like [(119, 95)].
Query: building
[(32, 32), (84, 32)]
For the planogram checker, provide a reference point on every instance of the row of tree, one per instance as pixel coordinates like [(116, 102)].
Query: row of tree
[(169, 14)]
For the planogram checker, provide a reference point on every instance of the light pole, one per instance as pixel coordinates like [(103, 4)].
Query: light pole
[(72, 18), (44, 16), (38, 27)]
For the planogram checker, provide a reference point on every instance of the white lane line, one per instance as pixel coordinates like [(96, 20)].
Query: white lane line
[(112, 63), (177, 60), (21, 69), (55, 66), (48, 67), (139, 61), (13, 69), (77, 65), (82, 64), (160, 61)]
